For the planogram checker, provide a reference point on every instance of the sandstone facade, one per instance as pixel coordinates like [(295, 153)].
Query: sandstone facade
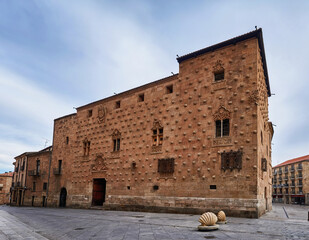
[(167, 145), (5, 186), (196, 141)]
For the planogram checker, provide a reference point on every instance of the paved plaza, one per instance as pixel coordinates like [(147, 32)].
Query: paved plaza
[(284, 222)]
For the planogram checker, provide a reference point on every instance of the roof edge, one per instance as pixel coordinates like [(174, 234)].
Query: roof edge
[(254, 34)]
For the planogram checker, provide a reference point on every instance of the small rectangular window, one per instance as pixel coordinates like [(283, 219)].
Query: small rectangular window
[(141, 97), (90, 113), (33, 187), (169, 89), (117, 104), (219, 76), (213, 186), (67, 140), (44, 186)]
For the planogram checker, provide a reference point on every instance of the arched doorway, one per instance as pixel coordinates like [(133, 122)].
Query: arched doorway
[(63, 197)]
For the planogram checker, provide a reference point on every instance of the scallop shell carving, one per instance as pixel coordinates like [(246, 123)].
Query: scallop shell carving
[(208, 219), (221, 216)]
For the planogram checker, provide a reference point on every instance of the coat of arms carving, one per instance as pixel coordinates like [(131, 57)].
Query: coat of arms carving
[(99, 164), (101, 113)]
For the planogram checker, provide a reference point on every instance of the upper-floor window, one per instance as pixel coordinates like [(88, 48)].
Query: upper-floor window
[(44, 186), (117, 104), (67, 140), (261, 137), (169, 89), (59, 166), (86, 147), (264, 164), (218, 71), (90, 113), (38, 166), (222, 128), (157, 136), (33, 186), (222, 122), (116, 140), (141, 97)]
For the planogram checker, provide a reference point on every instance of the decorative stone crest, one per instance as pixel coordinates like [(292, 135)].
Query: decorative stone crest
[(101, 113), (116, 134), (221, 114), (156, 124), (218, 67), (99, 164), (254, 97)]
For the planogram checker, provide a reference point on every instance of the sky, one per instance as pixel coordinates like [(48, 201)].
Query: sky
[(58, 55)]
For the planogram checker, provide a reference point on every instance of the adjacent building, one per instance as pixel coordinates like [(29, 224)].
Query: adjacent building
[(291, 181), (194, 141), (5, 186)]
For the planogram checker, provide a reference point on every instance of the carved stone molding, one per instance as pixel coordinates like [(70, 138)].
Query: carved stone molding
[(224, 141), (156, 124), (221, 114), (157, 149), (254, 97), (116, 134), (101, 113), (218, 67), (99, 164)]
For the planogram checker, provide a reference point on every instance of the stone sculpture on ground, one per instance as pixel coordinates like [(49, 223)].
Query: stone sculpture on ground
[(221, 218), (208, 222)]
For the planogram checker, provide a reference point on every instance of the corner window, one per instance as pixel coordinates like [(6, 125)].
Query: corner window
[(222, 128)]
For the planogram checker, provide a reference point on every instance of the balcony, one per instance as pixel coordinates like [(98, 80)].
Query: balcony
[(34, 173), (299, 168), (18, 184), (275, 173), (286, 185), (299, 176), (280, 178), (16, 169), (280, 172), (274, 186), (292, 176), (57, 171), (286, 171), (286, 178), (292, 170), (22, 168)]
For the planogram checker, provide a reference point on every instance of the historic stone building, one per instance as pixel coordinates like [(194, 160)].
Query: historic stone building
[(5, 186), (194, 141), (291, 181), (30, 178)]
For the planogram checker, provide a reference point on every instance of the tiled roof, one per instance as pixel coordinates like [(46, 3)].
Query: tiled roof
[(7, 174), (294, 160), (254, 34)]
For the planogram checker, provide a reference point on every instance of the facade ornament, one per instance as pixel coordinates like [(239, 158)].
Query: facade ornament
[(99, 164), (218, 67), (101, 113), (221, 114)]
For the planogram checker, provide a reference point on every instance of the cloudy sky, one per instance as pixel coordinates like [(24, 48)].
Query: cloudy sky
[(57, 55)]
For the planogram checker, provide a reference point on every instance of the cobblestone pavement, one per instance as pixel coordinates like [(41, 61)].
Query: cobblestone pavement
[(284, 222)]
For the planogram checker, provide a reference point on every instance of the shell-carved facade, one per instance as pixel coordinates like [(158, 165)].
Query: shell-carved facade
[(208, 219), (221, 216)]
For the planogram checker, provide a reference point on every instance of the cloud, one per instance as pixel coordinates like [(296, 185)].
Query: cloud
[(27, 114)]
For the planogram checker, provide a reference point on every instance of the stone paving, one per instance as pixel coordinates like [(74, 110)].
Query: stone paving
[(284, 222)]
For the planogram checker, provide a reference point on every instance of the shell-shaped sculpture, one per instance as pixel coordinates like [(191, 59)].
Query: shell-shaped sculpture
[(208, 219), (221, 216)]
